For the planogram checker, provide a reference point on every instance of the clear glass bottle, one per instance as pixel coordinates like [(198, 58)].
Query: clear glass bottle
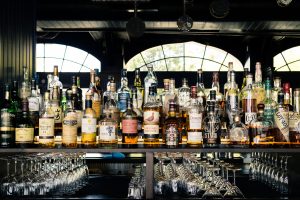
[(238, 133), (38, 91), (129, 126), (24, 128), (15, 99), (294, 119), (163, 96), (259, 90), (138, 112), (69, 125), (96, 95), (171, 127), (98, 81), (277, 88), (287, 96), (216, 86), (270, 104), (106, 93), (123, 92), (184, 93), (34, 106), (148, 81), (8, 119), (170, 96), (137, 83), (89, 124), (227, 84), (108, 130), (46, 124), (201, 88), (56, 82), (232, 103), (151, 118), (49, 80), (248, 102), (56, 109), (25, 87), (211, 136), (195, 120)]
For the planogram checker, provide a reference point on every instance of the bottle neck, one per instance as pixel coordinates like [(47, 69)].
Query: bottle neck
[(88, 104), (7, 95)]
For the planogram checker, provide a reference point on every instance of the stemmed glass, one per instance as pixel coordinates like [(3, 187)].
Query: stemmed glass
[(284, 179), (234, 191), (212, 191)]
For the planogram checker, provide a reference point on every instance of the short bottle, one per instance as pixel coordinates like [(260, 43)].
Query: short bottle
[(238, 133), (108, 130), (171, 127), (184, 93), (129, 126), (24, 128)]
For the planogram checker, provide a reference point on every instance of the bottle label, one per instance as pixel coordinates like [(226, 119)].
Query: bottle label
[(107, 133), (269, 113), (184, 99), (281, 121), (172, 136), (232, 102), (139, 93), (96, 105), (24, 134), (194, 136), (195, 120), (122, 101), (89, 125), (151, 117), (294, 121), (69, 134), (79, 117), (57, 114), (46, 128), (33, 104), (129, 126), (151, 129), (7, 121), (249, 116)]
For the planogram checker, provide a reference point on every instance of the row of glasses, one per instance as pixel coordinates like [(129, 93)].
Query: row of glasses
[(268, 169), (137, 184), (40, 174)]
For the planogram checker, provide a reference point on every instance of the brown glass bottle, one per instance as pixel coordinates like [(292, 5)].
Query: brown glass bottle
[(171, 127), (129, 126)]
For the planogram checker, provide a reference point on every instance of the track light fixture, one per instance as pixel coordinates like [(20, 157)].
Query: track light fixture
[(219, 8), (135, 26), (185, 22), (284, 3)]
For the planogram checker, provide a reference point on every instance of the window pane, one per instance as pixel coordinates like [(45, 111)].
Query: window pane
[(135, 62), (215, 54), (55, 50), (75, 55), (224, 68), (159, 65), (40, 48), (295, 66), (194, 49), (291, 54), (152, 54), (92, 62), (210, 66), (278, 61), (69, 66), (85, 69), (50, 62), (173, 50), (237, 65), (40, 65), (192, 64), (175, 64), (283, 69), (144, 69)]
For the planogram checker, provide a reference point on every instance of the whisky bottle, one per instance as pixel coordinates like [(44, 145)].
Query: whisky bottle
[(77, 108), (137, 83), (15, 99), (46, 124), (259, 90), (8, 114), (294, 119), (248, 102), (232, 103), (108, 130), (170, 96), (24, 128), (34, 106), (211, 137), (123, 92), (129, 126), (201, 88), (195, 120), (138, 112), (277, 88), (89, 124), (69, 124), (171, 127), (55, 82), (227, 84), (79, 92), (56, 109), (270, 104), (151, 118), (106, 93), (184, 93), (96, 95), (238, 133), (148, 81)]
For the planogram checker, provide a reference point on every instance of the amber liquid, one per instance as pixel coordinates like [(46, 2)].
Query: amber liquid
[(151, 138), (248, 105), (279, 139), (294, 138)]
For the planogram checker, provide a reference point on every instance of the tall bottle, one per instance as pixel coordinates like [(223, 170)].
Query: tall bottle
[(148, 81), (137, 83), (89, 124), (56, 109), (138, 112), (123, 92), (24, 128), (46, 124), (34, 106), (170, 96), (171, 127), (287, 96), (294, 119), (38, 91), (8, 114), (248, 102), (277, 88), (227, 84), (163, 97), (79, 92), (129, 126), (56, 82), (98, 81), (15, 99), (270, 104), (151, 118), (200, 88), (232, 103), (211, 137), (106, 93), (95, 94), (25, 87), (184, 93), (216, 86), (69, 125), (195, 120), (77, 108), (258, 87)]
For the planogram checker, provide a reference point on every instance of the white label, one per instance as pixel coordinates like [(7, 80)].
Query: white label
[(294, 119), (46, 127), (151, 117), (184, 99), (151, 129), (171, 136), (33, 104), (107, 133), (194, 136), (57, 113), (24, 134), (249, 116), (195, 120), (281, 120), (88, 125)]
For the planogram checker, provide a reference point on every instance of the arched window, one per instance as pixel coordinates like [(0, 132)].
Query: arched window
[(288, 60), (68, 59), (188, 56)]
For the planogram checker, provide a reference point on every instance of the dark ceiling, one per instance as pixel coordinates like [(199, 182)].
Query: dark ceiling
[(252, 17)]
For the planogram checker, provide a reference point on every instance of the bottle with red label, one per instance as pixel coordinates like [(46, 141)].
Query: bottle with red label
[(129, 125)]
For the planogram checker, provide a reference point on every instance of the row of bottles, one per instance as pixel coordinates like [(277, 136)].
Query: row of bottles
[(254, 114)]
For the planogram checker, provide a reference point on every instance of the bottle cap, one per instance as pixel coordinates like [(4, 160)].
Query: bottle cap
[(260, 106), (286, 87), (15, 84)]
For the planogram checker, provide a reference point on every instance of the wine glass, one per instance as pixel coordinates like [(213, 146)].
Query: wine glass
[(234, 191)]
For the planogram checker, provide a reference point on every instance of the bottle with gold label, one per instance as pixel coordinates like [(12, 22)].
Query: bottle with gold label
[(89, 123), (129, 125), (24, 127), (69, 125), (55, 82), (46, 124), (95, 95), (57, 110), (259, 90)]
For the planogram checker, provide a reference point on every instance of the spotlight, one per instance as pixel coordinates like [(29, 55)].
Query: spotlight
[(219, 8)]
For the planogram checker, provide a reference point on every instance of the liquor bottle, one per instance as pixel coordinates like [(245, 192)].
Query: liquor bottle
[(151, 118), (69, 124), (96, 95), (24, 128), (163, 96), (56, 109), (238, 133), (25, 87), (281, 119), (171, 127), (170, 96), (79, 92), (216, 86), (138, 112), (49, 80), (77, 108), (137, 83), (148, 81), (200, 88), (74, 82), (111, 104), (98, 81), (89, 124), (244, 84), (123, 92), (224, 123), (195, 120), (15, 99), (108, 130), (227, 84), (294, 119), (270, 104), (56, 82), (34, 106), (184, 93), (260, 129), (106, 93), (258, 87), (287, 96), (46, 124), (129, 125), (64, 101), (248, 102), (277, 88), (8, 114), (211, 136), (232, 104), (38, 91)]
